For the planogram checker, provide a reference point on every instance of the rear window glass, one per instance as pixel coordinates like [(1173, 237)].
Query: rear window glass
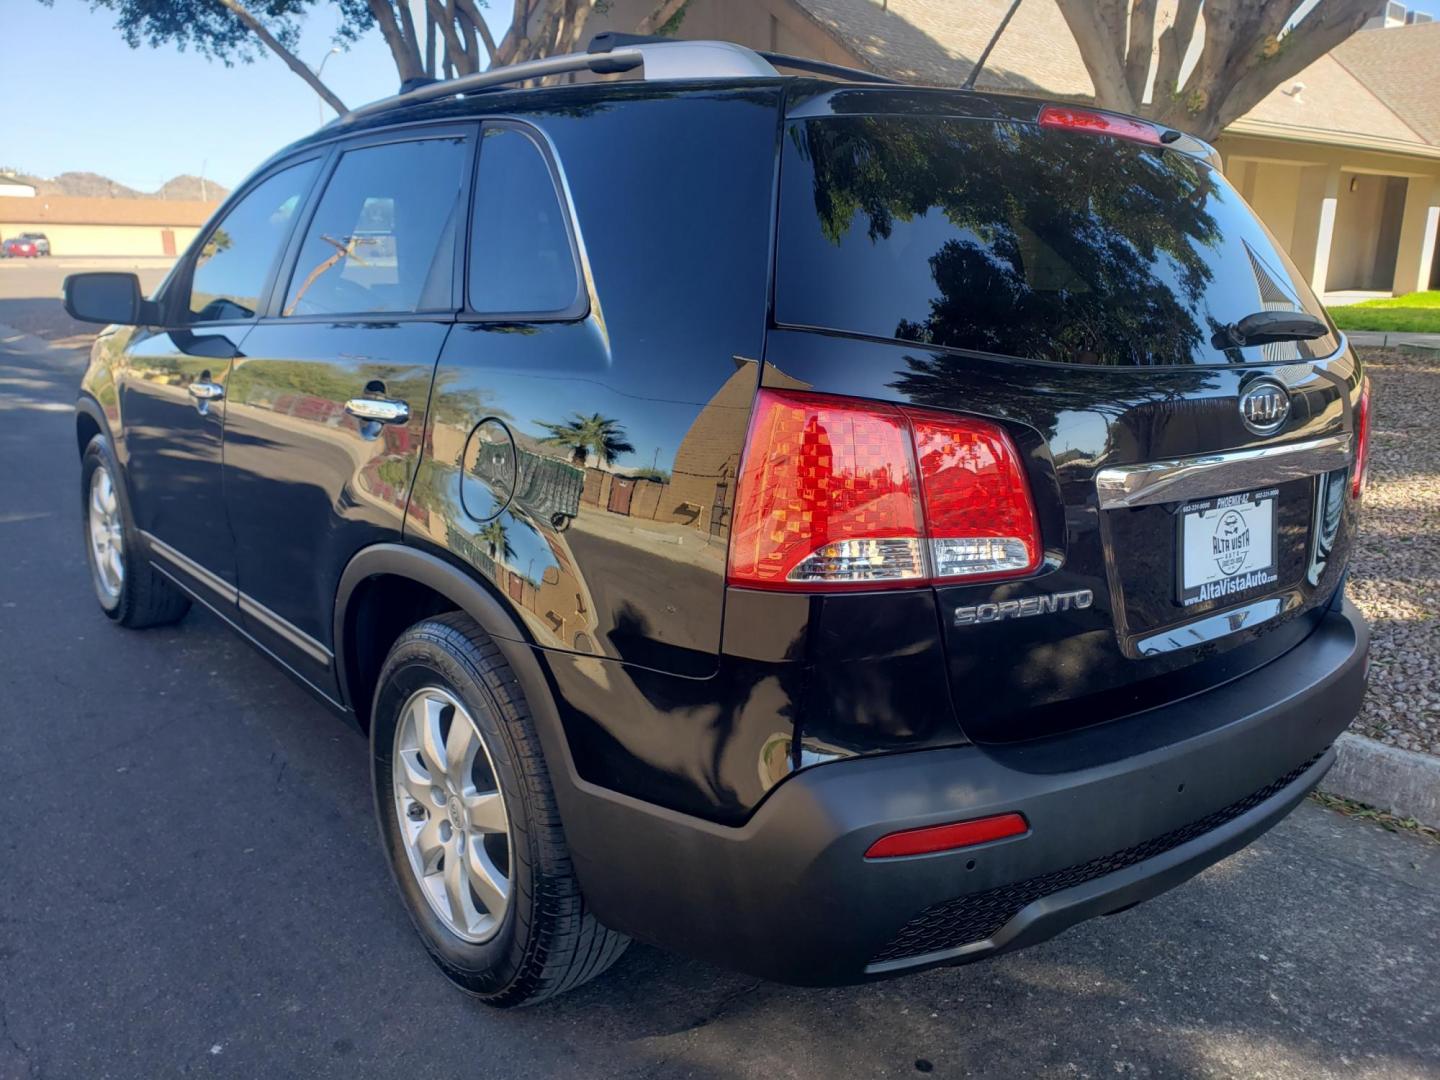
[(1007, 238)]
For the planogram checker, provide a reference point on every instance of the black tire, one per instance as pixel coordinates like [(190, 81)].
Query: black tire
[(145, 598), (547, 942)]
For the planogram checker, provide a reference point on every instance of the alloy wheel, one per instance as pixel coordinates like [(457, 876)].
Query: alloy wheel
[(451, 813), (107, 538)]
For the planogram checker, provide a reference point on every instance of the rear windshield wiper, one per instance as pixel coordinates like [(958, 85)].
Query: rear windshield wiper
[(1265, 327)]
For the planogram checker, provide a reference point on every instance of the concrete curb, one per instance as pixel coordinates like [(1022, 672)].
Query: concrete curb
[(1403, 782)]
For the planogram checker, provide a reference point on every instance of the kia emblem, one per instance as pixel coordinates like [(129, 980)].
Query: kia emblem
[(1264, 407)]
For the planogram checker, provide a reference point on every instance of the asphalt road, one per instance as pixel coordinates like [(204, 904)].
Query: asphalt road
[(190, 886)]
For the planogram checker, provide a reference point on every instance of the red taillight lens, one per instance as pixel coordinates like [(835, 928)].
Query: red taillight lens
[(1099, 123), (829, 494), (1362, 441), (978, 515), (947, 837), (826, 493)]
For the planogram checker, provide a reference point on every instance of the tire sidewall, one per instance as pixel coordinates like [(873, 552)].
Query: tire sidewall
[(486, 968)]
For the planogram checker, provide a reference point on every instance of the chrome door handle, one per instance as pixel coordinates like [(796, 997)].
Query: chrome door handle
[(378, 410), (206, 391)]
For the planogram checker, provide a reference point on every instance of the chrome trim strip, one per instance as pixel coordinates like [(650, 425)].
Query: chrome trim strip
[(1213, 627), (212, 581), (249, 606), (225, 617), (283, 629), (1219, 474)]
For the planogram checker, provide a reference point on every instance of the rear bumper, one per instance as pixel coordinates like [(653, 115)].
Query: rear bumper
[(1118, 813)]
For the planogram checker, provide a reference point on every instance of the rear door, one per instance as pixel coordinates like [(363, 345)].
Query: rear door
[(947, 251), (173, 380), (326, 408)]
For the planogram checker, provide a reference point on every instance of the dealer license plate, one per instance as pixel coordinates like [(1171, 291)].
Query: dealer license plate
[(1226, 547)]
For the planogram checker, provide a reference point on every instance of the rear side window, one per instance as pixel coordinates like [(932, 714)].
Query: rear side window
[(383, 237), (521, 258), (1003, 237), (235, 259)]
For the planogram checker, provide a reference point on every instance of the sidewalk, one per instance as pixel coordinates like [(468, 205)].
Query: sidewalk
[(1392, 339)]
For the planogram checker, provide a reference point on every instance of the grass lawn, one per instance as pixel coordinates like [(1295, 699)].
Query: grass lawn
[(1416, 312)]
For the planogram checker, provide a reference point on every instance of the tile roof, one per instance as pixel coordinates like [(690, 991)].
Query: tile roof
[(1381, 88), (1402, 66)]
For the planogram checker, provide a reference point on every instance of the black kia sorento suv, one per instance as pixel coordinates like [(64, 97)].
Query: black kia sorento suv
[(828, 527)]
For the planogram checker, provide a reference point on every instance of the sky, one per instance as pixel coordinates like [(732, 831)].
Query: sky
[(142, 116)]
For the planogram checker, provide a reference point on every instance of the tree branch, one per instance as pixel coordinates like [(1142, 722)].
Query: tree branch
[(410, 38), (476, 25), (1141, 44), (1098, 27), (1174, 44), (664, 11), (1328, 24), (256, 27), (446, 22), (407, 58)]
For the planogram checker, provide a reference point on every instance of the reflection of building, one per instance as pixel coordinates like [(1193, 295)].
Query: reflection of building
[(1342, 162), (701, 489)]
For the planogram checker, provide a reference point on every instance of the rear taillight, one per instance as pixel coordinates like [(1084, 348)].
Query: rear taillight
[(1362, 441), (840, 493), (1099, 123)]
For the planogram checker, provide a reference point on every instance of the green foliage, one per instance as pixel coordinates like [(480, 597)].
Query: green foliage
[(1413, 313), (215, 32)]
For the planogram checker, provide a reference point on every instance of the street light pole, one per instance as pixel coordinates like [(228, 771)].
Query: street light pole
[(319, 101)]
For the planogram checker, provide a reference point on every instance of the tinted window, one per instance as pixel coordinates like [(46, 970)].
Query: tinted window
[(520, 255), (1006, 238), (383, 236), (236, 258)]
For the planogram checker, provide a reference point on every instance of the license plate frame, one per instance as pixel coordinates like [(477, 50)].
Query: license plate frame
[(1225, 547)]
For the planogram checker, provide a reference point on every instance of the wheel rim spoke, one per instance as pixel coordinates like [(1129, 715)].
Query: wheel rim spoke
[(488, 883), (418, 785), (427, 728), (486, 812), (430, 845), (457, 886), (460, 747)]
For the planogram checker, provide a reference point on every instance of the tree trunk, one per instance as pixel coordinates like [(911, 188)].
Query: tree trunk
[(405, 54), (293, 62), (1247, 53)]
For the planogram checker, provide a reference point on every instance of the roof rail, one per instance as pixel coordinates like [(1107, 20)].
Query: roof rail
[(820, 67), (661, 60)]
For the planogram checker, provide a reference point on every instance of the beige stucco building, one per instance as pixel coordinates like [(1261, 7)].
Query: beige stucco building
[(83, 225), (1342, 163)]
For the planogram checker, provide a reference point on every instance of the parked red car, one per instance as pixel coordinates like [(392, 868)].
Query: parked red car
[(25, 246)]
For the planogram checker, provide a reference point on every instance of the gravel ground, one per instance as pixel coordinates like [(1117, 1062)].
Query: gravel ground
[(1395, 573)]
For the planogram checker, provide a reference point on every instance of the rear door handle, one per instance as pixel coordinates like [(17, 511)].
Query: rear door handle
[(379, 410), (206, 391)]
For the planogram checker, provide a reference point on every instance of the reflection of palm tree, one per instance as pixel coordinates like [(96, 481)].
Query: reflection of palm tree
[(586, 435), (495, 540)]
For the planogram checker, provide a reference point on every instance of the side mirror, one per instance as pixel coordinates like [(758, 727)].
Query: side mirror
[(107, 297)]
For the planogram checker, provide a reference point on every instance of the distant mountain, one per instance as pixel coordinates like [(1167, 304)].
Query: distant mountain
[(93, 184)]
